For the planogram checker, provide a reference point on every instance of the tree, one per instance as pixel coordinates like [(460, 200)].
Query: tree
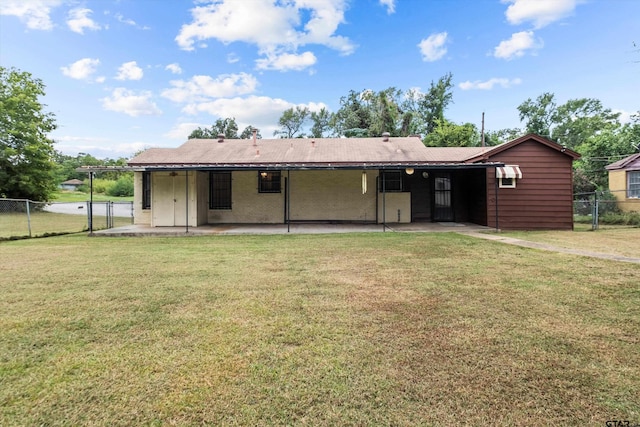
[(292, 122), (321, 123), (227, 127), (247, 133), (579, 119), (449, 134), (354, 115), (431, 105), (539, 114), (27, 169), (500, 136)]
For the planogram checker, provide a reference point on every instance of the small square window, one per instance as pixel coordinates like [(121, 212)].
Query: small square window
[(269, 181), (507, 183)]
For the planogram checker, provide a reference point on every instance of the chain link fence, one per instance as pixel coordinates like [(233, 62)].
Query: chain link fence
[(21, 218), (599, 210)]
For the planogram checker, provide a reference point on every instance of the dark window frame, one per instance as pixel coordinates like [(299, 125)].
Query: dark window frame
[(269, 181), (146, 190), (220, 190), (392, 181)]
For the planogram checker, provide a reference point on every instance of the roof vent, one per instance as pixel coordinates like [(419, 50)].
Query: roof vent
[(313, 143), (220, 137), (385, 136)]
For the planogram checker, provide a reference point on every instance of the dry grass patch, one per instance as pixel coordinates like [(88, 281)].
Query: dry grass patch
[(614, 241), (360, 329)]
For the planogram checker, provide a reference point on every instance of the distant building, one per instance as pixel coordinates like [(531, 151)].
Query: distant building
[(624, 182), (71, 185)]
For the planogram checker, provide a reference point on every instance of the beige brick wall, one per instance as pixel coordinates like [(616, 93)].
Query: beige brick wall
[(140, 216), (618, 186), (249, 206), (334, 195), (315, 196)]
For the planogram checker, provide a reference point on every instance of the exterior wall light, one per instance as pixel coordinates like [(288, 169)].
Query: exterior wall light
[(409, 171)]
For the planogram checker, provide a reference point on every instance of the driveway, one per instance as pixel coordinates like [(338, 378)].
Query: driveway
[(120, 209)]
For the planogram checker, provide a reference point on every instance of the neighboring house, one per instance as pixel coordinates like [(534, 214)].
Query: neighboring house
[(71, 184), (624, 182), (522, 184)]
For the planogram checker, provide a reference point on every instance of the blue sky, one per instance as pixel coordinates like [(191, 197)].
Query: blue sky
[(124, 75)]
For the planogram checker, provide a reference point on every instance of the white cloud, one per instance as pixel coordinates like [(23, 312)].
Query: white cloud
[(539, 12), (232, 58), (272, 27), (181, 131), (78, 20), (129, 71), (200, 88), (174, 68), (489, 84), (259, 111), (517, 45), (128, 102), (81, 69), (390, 5), (35, 13), (287, 61), (432, 48)]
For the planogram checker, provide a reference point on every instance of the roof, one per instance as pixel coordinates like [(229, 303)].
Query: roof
[(631, 163), (303, 153), (72, 182), (492, 151), (325, 153)]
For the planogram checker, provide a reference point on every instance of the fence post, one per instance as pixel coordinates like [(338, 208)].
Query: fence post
[(28, 217), (594, 213)]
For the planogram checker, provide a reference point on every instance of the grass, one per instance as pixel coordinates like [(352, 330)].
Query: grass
[(617, 241), (353, 329), (14, 225)]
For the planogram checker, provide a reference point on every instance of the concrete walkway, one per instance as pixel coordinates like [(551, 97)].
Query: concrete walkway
[(547, 247)]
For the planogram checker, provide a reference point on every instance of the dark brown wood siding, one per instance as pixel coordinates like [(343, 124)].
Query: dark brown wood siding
[(542, 199)]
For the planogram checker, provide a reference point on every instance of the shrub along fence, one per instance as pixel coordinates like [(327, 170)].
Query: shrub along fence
[(600, 209), (20, 218)]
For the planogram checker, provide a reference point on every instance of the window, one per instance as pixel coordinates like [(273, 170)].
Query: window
[(507, 183), (220, 190), (633, 185), (391, 181), (146, 190), (269, 181)]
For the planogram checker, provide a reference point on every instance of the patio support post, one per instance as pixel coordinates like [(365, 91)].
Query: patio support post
[(384, 203), (497, 188), (90, 203), (288, 195), (186, 178)]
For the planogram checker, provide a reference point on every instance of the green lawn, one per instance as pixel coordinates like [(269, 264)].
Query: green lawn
[(47, 223), (345, 329)]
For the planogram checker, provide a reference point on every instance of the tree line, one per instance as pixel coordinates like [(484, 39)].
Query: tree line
[(30, 167)]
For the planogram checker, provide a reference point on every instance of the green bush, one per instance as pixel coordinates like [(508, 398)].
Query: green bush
[(102, 186), (621, 218), (123, 187), (607, 203)]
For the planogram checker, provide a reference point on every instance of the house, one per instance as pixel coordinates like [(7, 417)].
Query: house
[(522, 184), (71, 184), (624, 182)]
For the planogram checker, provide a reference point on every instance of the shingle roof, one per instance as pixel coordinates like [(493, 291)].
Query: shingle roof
[(628, 163), (304, 152)]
